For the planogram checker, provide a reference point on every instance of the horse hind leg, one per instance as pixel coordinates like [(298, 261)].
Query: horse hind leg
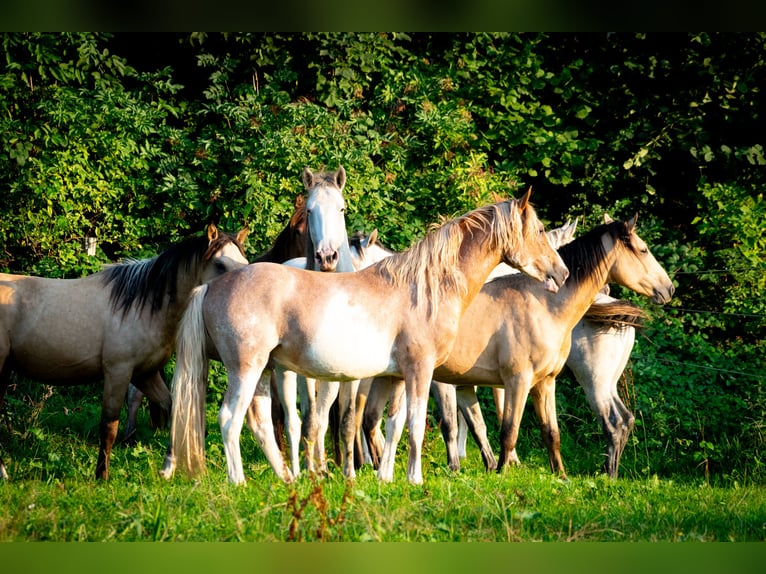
[(286, 385), (446, 403), (470, 410), (247, 396), (544, 400), (617, 423)]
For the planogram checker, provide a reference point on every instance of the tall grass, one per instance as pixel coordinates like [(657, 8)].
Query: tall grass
[(50, 442)]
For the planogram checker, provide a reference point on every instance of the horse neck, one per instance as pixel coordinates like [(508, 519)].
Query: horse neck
[(576, 296), (283, 249), (476, 263)]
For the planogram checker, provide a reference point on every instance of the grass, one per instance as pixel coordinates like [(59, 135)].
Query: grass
[(50, 451)]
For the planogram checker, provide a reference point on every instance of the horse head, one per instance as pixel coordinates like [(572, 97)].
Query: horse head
[(225, 252), (327, 240), (640, 271)]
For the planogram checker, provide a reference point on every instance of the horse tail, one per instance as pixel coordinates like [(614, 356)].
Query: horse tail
[(616, 314), (187, 427)]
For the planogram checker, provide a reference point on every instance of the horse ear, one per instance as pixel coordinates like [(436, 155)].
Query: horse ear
[(525, 200), (300, 202), (212, 232), (607, 219), (372, 237), (340, 177), (308, 177), (242, 235), (569, 230), (632, 222)]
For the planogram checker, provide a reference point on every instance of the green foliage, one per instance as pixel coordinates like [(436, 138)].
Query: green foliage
[(138, 148)]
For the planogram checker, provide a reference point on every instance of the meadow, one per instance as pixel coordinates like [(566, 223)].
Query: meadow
[(50, 437)]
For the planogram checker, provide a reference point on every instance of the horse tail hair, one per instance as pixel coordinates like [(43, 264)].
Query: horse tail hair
[(187, 427), (616, 314)]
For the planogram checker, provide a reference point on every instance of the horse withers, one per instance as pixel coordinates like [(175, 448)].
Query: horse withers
[(117, 326)]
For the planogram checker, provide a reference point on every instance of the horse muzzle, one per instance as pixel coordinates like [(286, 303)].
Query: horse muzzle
[(326, 260), (553, 283), (662, 296)]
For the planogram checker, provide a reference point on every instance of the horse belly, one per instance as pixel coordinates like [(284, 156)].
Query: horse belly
[(346, 344)]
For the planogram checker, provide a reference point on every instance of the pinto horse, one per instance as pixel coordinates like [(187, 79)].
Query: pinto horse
[(405, 308), (117, 325), (289, 243)]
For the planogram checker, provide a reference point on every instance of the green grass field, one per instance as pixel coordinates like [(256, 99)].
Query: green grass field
[(50, 446)]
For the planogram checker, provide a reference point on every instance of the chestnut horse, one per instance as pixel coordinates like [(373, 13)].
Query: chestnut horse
[(405, 309), (117, 325)]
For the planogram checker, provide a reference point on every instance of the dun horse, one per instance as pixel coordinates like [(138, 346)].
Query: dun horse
[(601, 344), (117, 325), (405, 310), (516, 336), (289, 243)]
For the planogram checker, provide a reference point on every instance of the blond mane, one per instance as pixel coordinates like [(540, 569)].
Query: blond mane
[(431, 266)]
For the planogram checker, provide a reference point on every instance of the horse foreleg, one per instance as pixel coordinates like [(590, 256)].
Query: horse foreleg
[(135, 396), (158, 395), (417, 384), (347, 408), (115, 391), (327, 392), (516, 393), (544, 400), (395, 421), (468, 403), (446, 403), (286, 384)]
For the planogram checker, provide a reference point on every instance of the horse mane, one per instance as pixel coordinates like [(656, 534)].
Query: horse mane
[(147, 281), (432, 263), (280, 250), (616, 313), (585, 255)]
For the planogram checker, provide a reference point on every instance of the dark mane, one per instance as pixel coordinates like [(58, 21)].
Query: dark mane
[(148, 281), (285, 246), (586, 254)]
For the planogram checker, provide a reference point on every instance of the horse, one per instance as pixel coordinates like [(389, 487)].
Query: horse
[(289, 243), (405, 309), (327, 240), (601, 345), (117, 325), (516, 336)]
